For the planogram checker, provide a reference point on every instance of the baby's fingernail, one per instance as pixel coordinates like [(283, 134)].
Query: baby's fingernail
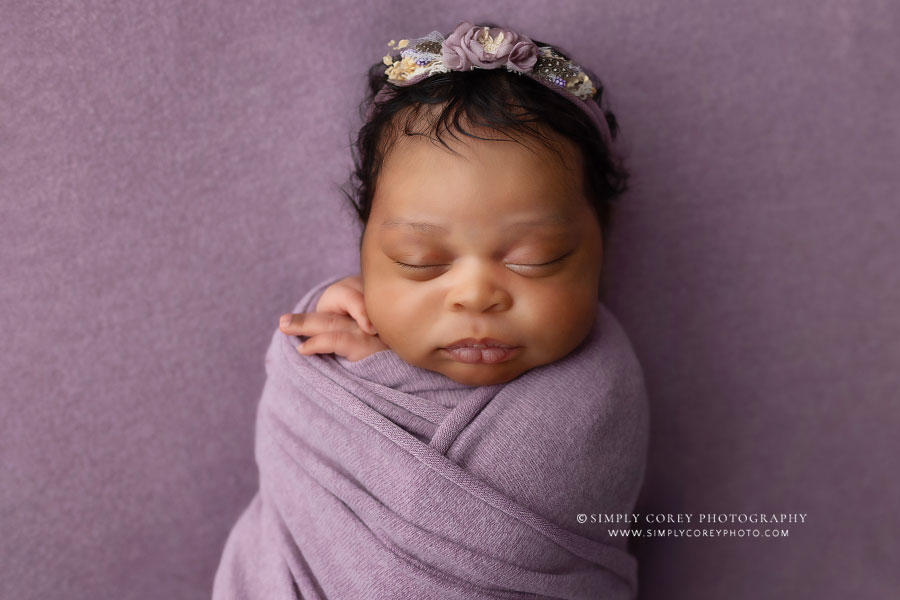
[(300, 347), (285, 320)]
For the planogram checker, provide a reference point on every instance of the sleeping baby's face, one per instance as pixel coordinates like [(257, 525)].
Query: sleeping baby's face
[(497, 247)]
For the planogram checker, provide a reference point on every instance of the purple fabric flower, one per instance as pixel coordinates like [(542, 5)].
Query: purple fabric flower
[(471, 45)]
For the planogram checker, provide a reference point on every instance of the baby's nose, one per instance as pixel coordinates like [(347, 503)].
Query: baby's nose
[(477, 289)]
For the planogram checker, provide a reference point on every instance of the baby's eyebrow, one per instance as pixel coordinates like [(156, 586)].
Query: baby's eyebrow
[(554, 220), (417, 225)]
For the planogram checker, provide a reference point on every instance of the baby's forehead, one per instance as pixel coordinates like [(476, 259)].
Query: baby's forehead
[(511, 215)]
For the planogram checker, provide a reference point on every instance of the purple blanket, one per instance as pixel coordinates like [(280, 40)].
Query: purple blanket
[(379, 479)]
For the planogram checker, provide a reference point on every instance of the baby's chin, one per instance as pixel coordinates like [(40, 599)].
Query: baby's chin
[(477, 374)]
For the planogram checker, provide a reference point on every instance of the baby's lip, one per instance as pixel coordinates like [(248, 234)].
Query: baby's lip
[(479, 343)]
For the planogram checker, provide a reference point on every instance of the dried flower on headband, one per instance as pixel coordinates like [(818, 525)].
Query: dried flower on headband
[(472, 46)]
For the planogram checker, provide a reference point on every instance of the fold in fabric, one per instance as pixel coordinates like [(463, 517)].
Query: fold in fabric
[(379, 479)]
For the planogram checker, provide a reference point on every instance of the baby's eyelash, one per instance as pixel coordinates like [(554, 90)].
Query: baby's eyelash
[(546, 264), (541, 264), (415, 267)]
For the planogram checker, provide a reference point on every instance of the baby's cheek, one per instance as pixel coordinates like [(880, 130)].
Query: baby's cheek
[(387, 316), (375, 308), (559, 321)]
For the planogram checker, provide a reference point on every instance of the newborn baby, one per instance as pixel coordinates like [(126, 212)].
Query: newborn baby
[(481, 401)]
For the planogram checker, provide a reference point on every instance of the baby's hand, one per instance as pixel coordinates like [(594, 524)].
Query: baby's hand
[(339, 325)]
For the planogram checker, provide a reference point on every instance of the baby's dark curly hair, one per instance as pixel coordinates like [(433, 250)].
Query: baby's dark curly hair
[(498, 99)]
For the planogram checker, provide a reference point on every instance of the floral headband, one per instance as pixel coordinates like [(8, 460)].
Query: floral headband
[(472, 46)]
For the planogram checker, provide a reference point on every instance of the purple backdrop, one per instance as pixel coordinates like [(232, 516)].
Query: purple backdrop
[(169, 185)]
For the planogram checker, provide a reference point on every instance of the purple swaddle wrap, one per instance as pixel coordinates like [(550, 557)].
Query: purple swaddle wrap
[(379, 479)]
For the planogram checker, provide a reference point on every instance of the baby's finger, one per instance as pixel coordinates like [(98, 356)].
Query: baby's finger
[(350, 345), (346, 300), (308, 324), (354, 281)]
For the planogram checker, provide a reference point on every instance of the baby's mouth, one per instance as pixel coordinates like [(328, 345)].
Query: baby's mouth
[(480, 343), (483, 351)]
